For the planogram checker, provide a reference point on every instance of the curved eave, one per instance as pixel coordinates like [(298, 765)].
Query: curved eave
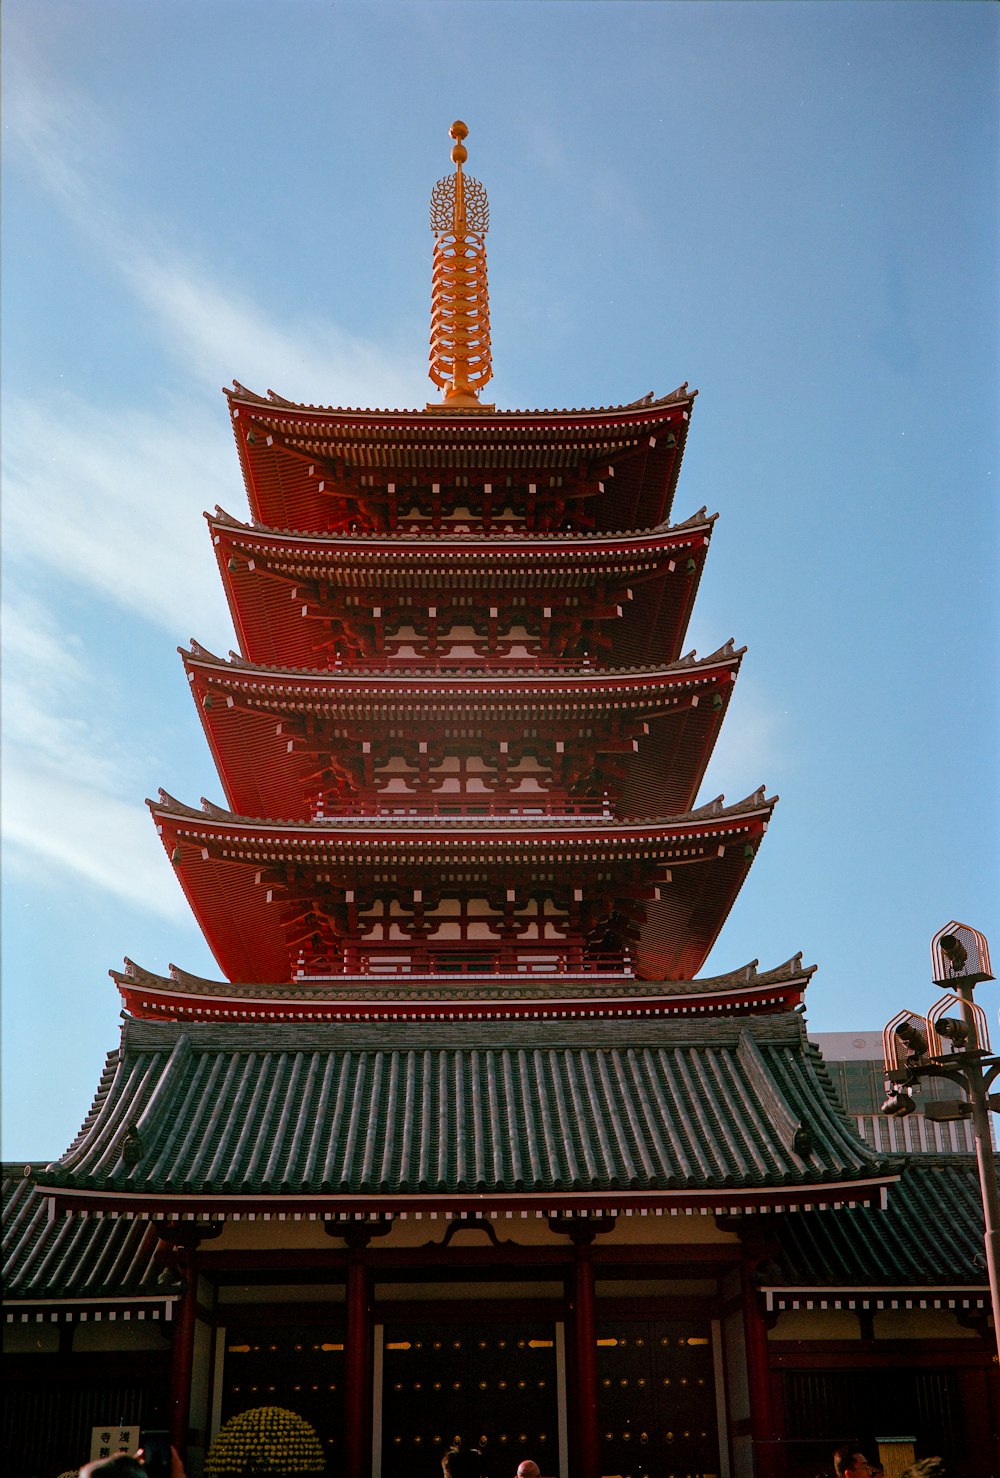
[(383, 422), (344, 685), (349, 840), (284, 590), (252, 717), (246, 1206), (349, 558), (165, 1002), (691, 868), (288, 452), (153, 997)]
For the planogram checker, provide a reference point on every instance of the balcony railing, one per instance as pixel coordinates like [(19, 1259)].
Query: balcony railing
[(408, 961)]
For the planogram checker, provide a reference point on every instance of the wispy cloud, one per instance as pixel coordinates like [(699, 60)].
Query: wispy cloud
[(104, 500), (65, 769), (93, 490), (209, 324), (112, 500), (209, 328)]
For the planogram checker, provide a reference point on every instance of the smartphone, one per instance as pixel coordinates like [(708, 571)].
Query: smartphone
[(156, 1454)]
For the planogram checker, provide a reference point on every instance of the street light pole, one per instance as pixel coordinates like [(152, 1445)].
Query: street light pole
[(961, 960), (977, 1086)]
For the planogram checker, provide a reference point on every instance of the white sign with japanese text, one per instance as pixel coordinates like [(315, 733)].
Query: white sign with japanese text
[(109, 1441)]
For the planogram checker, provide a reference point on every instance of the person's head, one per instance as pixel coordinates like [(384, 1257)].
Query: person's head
[(463, 1462), (849, 1461), (928, 1467), (120, 1466), (528, 1469)]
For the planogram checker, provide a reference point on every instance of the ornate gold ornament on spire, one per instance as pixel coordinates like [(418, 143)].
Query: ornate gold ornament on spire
[(460, 309)]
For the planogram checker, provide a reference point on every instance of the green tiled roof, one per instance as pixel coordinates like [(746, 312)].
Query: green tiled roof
[(930, 1234), (929, 1237), (78, 1258), (387, 1111)]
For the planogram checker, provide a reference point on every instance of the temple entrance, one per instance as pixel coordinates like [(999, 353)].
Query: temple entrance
[(656, 1394), (494, 1386)]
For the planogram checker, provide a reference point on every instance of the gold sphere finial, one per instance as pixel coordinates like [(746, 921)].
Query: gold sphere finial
[(458, 131)]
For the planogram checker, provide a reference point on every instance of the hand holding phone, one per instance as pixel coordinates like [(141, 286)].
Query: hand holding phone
[(157, 1458)]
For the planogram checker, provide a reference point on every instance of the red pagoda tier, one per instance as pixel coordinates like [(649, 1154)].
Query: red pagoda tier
[(312, 600), (328, 470), (386, 894), (289, 744), (460, 737)]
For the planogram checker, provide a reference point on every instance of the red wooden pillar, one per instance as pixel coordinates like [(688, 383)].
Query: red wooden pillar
[(585, 1442), (177, 1249), (358, 1344), (182, 1355), (588, 1431), (762, 1430), (357, 1379)]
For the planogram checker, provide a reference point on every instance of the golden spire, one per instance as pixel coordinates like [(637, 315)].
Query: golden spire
[(460, 309)]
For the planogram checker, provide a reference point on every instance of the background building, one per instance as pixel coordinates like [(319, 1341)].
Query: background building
[(856, 1066)]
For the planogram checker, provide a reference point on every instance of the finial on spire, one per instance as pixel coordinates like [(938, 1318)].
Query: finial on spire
[(461, 363), (459, 131)]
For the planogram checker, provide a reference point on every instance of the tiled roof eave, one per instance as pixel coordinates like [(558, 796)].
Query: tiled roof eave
[(648, 408), (361, 685), (591, 1201), (311, 1003), (395, 832), (491, 1083), (444, 548)]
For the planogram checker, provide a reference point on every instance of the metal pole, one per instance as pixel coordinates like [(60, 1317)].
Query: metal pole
[(976, 1089)]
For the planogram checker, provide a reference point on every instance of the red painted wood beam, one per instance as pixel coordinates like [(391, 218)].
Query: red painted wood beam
[(182, 1359), (587, 1462), (762, 1425), (357, 1393)]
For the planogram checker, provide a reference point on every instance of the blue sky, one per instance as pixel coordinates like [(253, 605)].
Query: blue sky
[(792, 206)]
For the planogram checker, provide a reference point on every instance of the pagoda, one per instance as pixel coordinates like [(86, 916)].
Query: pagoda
[(464, 1143)]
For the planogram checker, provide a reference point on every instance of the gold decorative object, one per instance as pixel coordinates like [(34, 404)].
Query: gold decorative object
[(460, 360), (265, 1440)]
